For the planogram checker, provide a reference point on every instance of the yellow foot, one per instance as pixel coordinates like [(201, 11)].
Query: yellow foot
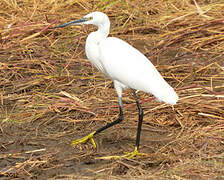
[(85, 139), (126, 155)]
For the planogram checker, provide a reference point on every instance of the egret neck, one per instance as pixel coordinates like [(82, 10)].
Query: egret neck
[(92, 42)]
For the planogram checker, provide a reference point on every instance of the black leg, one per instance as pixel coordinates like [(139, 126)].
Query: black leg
[(140, 119), (120, 118), (90, 136)]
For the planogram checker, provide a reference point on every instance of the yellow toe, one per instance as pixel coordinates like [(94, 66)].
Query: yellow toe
[(85, 139), (126, 155), (134, 153)]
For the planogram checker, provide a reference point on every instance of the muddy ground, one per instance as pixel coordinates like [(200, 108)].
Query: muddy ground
[(42, 149)]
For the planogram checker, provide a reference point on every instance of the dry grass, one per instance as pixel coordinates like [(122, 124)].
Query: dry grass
[(44, 76)]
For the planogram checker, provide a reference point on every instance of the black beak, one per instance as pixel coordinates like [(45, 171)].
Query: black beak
[(72, 22)]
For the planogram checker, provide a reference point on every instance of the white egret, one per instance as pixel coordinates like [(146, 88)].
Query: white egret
[(126, 67)]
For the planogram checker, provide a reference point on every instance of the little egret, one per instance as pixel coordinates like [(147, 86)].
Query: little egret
[(126, 67)]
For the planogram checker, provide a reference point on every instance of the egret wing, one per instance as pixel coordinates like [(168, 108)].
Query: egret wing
[(124, 63)]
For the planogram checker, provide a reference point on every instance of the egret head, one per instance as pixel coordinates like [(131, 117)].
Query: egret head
[(98, 19)]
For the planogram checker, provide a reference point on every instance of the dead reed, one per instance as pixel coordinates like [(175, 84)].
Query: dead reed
[(45, 77)]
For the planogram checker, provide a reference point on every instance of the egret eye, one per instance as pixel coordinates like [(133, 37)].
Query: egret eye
[(90, 18)]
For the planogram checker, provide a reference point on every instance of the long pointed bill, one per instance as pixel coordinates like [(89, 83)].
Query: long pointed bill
[(78, 21)]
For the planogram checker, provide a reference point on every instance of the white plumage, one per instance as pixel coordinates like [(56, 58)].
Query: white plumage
[(132, 69), (126, 66)]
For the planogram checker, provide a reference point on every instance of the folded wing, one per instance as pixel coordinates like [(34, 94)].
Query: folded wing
[(124, 63)]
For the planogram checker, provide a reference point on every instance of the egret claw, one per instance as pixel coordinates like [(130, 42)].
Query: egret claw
[(134, 153), (85, 139)]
